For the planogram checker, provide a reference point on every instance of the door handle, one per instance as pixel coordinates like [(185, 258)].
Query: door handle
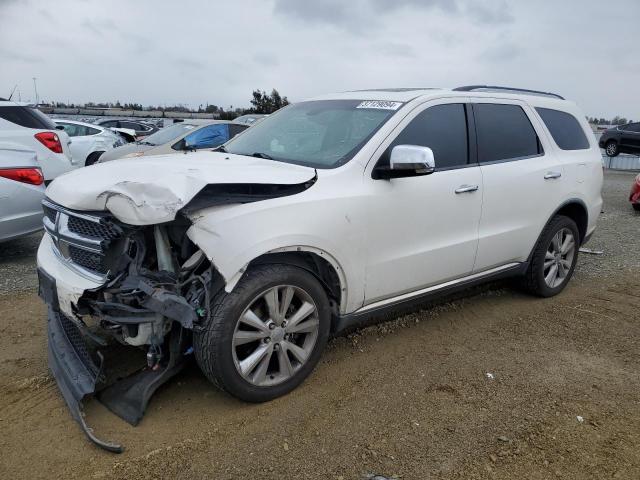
[(552, 175), (466, 188)]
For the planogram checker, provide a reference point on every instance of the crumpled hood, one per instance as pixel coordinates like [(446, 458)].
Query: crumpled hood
[(151, 190)]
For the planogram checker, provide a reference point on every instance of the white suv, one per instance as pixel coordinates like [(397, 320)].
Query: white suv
[(25, 127), (314, 220)]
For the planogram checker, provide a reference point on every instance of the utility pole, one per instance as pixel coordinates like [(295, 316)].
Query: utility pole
[(35, 88)]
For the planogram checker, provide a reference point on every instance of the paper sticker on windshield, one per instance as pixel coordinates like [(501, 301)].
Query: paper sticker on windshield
[(380, 104)]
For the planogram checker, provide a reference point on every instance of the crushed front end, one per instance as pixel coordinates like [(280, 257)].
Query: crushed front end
[(122, 302)]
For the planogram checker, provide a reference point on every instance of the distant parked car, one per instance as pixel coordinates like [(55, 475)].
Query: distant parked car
[(621, 139), (634, 196), (249, 119), (89, 141), (21, 193), (25, 127), (183, 136), (142, 129)]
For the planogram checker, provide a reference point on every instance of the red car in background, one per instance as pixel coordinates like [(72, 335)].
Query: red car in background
[(634, 196)]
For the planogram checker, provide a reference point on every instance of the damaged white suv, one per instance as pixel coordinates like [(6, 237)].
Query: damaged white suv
[(312, 221)]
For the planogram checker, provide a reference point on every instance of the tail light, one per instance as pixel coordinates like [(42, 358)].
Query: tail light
[(32, 176), (50, 140)]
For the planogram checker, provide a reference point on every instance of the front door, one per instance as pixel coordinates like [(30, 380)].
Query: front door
[(423, 230)]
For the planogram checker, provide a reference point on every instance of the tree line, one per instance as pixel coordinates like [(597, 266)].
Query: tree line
[(261, 103), (614, 121)]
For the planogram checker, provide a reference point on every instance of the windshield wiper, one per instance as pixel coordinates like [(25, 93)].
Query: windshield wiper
[(262, 155), (145, 143), (220, 149)]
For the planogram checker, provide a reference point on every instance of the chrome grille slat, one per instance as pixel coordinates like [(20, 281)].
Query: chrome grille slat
[(80, 239)]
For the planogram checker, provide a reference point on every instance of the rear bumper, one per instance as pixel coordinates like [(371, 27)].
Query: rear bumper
[(69, 360)]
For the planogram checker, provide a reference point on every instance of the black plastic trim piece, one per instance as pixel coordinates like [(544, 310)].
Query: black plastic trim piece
[(356, 320)]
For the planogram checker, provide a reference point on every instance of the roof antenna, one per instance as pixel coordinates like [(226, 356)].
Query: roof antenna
[(13, 91)]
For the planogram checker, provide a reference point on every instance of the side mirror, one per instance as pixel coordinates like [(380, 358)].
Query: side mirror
[(407, 161)]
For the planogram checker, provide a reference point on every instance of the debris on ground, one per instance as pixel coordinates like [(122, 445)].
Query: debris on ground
[(490, 376), (590, 251)]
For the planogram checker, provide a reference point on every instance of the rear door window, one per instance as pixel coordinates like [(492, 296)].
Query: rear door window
[(27, 117), (564, 128), (442, 128), (504, 132)]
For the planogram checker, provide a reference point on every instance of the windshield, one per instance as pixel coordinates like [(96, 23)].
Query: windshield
[(319, 134), (167, 134)]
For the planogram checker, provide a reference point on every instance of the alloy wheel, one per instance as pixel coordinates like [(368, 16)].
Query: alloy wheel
[(559, 258), (275, 335)]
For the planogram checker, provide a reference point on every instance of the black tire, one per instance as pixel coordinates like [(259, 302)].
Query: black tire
[(213, 343), (534, 280), (611, 148), (92, 158), (636, 206)]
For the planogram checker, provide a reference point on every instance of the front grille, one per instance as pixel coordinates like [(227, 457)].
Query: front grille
[(50, 213), (76, 339), (83, 239), (87, 228), (86, 259)]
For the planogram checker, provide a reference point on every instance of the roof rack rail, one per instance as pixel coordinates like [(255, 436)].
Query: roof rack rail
[(470, 88)]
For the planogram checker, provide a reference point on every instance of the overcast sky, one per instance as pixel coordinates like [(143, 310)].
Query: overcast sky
[(194, 52)]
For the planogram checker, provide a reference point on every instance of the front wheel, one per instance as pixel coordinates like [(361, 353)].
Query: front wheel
[(266, 336), (554, 258)]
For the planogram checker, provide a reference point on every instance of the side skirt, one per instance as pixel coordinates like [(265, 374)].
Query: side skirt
[(371, 314)]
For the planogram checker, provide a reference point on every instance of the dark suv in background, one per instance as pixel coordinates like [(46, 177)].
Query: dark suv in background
[(621, 139)]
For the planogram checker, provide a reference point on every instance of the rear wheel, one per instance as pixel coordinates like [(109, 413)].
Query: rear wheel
[(92, 158), (611, 148), (636, 206), (554, 258), (266, 336)]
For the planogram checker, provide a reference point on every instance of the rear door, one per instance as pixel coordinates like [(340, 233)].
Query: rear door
[(522, 178)]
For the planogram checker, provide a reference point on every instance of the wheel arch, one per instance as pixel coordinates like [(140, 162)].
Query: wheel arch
[(316, 261), (577, 211)]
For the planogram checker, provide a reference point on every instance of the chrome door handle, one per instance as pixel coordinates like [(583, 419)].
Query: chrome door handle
[(466, 188), (552, 175)]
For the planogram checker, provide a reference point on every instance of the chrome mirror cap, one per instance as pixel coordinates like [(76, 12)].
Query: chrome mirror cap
[(412, 157)]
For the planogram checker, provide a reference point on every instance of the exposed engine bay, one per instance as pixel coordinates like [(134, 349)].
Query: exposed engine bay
[(155, 290)]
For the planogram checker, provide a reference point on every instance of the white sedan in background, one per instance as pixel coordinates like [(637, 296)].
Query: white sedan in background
[(88, 141)]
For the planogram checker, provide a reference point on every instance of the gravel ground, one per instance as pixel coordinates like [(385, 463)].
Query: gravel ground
[(494, 385), (17, 264)]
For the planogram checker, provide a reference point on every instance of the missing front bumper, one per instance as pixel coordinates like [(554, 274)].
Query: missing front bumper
[(80, 374), (75, 374)]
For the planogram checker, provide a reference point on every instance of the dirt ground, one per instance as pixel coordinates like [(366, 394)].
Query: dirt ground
[(410, 398)]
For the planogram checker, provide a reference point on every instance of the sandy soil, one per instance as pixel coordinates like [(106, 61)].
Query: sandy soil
[(411, 398)]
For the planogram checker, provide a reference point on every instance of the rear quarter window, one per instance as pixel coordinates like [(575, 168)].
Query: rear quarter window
[(564, 128), (27, 117)]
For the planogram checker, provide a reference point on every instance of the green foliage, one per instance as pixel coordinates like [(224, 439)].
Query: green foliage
[(265, 103)]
